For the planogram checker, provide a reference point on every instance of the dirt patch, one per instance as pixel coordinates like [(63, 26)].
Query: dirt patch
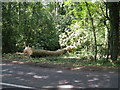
[(62, 66)]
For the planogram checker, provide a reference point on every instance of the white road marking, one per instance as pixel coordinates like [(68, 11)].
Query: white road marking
[(20, 86)]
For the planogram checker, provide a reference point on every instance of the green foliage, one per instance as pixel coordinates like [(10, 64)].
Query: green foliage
[(79, 32), (65, 60), (27, 24), (56, 25)]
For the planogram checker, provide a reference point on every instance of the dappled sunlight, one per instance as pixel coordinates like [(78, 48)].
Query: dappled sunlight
[(65, 86), (94, 79), (17, 77), (100, 80), (63, 82), (20, 72), (5, 70), (59, 71), (105, 75), (40, 77), (19, 62), (77, 81), (4, 64), (91, 75), (10, 71), (30, 73), (1, 64), (6, 75), (111, 72), (93, 86), (22, 79), (47, 87), (78, 35), (57, 78), (71, 57), (62, 87), (77, 68)]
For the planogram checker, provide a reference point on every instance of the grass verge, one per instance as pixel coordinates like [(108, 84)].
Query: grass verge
[(67, 59)]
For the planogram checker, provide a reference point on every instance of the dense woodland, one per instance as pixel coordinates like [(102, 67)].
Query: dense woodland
[(93, 28)]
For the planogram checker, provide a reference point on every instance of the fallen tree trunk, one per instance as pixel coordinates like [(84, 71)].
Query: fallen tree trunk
[(38, 52)]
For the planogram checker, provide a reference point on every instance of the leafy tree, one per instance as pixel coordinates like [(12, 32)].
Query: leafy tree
[(94, 32), (27, 24), (8, 31), (81, 32)]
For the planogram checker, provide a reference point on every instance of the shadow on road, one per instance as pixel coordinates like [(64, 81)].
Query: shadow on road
[(51, 78)]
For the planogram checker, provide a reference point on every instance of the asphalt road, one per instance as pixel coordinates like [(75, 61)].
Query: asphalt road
[(24, 76)]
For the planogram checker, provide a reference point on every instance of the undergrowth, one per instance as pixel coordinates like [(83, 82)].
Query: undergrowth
[(66, 59)]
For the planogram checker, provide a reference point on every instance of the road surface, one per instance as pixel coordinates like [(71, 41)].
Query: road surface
[(26, 76)]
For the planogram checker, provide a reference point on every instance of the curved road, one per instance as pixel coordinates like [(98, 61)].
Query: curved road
[(25, 76)]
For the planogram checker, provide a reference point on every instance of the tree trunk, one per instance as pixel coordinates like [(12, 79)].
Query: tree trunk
[(94, 32), (114, 29), (39, 53)]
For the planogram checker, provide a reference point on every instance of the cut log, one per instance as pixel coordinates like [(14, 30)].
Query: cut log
[(38, 52)]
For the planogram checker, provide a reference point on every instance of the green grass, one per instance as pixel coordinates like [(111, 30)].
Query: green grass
[(67, 59)]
